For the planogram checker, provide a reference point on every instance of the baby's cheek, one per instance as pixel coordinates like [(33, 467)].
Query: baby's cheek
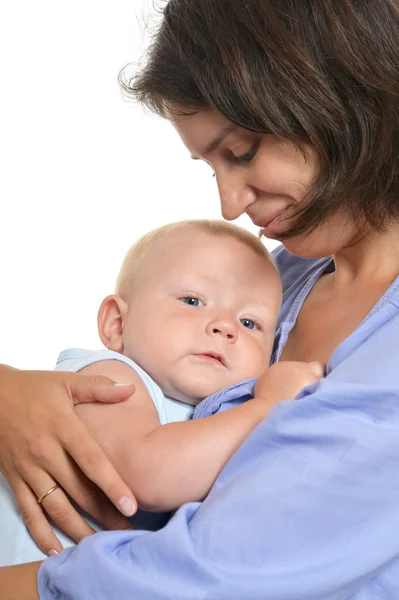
[(258, 359)]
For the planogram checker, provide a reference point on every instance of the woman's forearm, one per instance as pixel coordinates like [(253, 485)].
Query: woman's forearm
[(4, 371), (19, 582), (179, 462)]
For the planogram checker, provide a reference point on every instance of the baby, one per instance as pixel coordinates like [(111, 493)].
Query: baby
[(194, 312)]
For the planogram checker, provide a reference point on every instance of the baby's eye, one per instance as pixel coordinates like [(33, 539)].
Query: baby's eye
[(248, 323), (191, 301)]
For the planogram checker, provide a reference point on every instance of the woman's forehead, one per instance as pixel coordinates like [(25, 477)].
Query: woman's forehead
[(203, 131)]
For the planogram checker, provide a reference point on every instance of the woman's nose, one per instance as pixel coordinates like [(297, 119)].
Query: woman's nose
[(235, 195), (223, 327)]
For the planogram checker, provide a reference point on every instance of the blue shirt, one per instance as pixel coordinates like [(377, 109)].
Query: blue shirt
[(306, 509)]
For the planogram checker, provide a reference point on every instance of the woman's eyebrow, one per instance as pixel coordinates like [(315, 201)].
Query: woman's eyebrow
[(211, 147)]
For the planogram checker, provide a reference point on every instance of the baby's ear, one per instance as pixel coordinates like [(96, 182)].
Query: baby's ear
[(110, 322)]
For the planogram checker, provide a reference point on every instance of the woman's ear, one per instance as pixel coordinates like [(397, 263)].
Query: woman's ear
[(110, 319)]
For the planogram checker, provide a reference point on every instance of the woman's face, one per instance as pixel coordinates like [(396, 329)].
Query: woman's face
[(264, 177)]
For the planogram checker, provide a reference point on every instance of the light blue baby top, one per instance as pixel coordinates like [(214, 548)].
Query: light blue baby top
[(169, 411), (16, 544), (306, 509)]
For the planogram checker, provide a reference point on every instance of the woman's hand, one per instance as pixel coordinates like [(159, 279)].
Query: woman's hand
[(286, 379), (43, 443)]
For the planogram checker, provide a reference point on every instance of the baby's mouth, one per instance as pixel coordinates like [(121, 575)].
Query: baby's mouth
[(212, 357)]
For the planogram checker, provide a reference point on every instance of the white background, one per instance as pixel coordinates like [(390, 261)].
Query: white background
[(83, 172)]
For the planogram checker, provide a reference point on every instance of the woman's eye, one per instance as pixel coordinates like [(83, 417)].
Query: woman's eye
[(247, 157), (248, 323), (191, 301)]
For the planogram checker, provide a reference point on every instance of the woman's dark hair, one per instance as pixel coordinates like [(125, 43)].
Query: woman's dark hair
[(320, 71)]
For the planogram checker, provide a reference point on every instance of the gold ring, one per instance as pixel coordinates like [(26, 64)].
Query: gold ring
[(50, 491)]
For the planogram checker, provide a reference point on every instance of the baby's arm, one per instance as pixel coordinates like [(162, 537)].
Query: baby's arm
[(166, 466)]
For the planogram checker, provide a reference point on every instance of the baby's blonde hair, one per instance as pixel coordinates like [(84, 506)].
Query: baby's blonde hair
[(143, 246)]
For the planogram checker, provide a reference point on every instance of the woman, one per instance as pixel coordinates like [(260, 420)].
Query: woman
[(295, 107)]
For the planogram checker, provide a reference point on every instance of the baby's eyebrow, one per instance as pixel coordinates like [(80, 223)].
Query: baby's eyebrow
[(262, 312), (187, 277)]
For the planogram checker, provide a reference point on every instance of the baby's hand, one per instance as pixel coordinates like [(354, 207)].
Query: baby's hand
[(286, 379)]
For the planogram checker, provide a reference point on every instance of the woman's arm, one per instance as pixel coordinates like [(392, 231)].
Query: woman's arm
[(168, 465), (19, 582), (42, 441)]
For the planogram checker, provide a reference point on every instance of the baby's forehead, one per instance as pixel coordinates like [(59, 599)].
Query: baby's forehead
[(189, 248), (191, 237)]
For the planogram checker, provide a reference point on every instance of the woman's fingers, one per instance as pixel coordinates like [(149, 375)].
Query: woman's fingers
[(92, 501), (91, 459), (61, 511), (82, 447), (84, 388), (74, 484), (56, 505), (37, 414), (38, 431), (84, 493), (34, 518)]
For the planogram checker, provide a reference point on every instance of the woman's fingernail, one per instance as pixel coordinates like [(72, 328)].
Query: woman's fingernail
[(123, 384), (128, 508), (53, 553)]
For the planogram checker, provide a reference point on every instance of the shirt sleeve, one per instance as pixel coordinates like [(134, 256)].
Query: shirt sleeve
[(306, 508)]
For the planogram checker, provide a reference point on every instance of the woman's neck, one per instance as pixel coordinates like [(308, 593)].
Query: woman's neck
[(373, 258)]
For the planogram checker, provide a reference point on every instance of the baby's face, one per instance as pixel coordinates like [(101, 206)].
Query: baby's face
[(202, 315)]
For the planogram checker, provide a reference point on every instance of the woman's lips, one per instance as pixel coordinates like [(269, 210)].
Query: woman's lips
[(274, 225), (270, 230)]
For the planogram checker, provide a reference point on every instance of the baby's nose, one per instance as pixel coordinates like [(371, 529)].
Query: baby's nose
[(223, 327)]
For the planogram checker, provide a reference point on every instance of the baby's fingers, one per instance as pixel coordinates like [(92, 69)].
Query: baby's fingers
[(318, 369)]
